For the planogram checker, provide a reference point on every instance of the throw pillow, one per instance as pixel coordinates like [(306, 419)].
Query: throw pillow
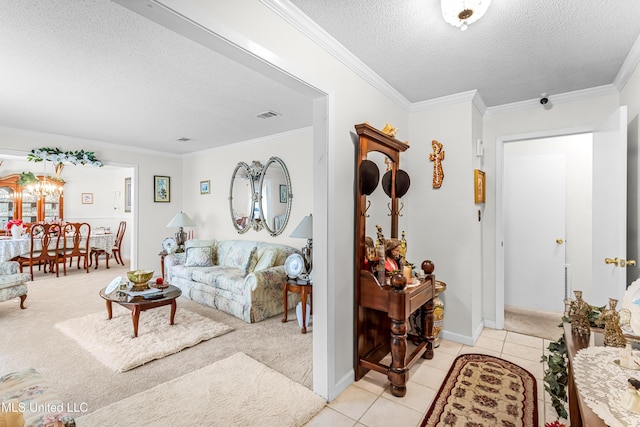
[(13, 416), (199, 257), (251, 262), (267, 260)]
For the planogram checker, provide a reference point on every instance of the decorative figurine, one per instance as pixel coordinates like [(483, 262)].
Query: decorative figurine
[(613, 336), (579, 314), (390, 130), (437, 157)]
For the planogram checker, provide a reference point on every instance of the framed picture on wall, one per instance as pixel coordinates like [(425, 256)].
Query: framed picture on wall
[(87, 198), (479, 185), (161, 188), (283, 193), (205, 187), (127, 194)]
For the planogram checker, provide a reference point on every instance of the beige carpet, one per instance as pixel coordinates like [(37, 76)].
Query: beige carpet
[(28, 338), (236, 391), (536, 323), (113, 344)]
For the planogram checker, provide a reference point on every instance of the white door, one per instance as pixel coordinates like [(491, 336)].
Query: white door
[(535, 194), (609, 209)]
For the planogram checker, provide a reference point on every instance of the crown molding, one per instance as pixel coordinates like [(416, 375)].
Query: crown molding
[(577, 95), (468, 96), (628, 66), (294, 16)]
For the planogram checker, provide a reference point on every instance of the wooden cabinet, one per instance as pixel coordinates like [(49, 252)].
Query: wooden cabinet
[(16, 204), (382, 310)]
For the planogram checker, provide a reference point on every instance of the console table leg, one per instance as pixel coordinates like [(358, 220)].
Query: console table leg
[(398, 374), (427, 327)]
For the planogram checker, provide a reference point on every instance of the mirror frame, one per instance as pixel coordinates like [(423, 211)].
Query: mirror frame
[(250, 219), (257, 172), (285, 171)]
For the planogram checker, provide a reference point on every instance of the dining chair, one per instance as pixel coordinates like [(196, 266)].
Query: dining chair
[(76, 242), (115, 250), (48, 255)]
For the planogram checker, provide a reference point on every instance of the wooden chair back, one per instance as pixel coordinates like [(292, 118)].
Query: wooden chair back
[(45, 248), (76, 242)]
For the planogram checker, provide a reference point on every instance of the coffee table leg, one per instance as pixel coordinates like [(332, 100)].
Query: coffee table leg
[(173, 311), (109, 313), (135, 316)]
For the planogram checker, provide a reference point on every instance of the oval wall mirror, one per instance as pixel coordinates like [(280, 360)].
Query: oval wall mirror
[(275, 196), (242, 198)]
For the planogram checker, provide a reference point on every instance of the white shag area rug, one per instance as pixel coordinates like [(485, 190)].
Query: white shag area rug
[(113, 344), (236, 391)]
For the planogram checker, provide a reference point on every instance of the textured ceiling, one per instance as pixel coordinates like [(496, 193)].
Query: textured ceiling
[(518, 50), (97, 70)]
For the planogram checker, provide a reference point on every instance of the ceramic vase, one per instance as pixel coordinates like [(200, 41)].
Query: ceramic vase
[(16, 231)]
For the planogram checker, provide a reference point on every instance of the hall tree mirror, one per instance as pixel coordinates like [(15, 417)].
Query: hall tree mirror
[(383, 306), (260, 196)]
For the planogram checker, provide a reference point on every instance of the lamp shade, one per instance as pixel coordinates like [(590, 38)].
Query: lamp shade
[(181, 220), (304, 230)]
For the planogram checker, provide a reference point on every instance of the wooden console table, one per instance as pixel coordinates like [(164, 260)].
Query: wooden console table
[(579, 413), (376, 304)]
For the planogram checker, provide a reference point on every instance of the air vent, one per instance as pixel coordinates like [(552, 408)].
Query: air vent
[(184, 139), (268, 115)]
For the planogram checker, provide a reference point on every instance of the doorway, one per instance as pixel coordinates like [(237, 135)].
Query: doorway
[(547, 222)]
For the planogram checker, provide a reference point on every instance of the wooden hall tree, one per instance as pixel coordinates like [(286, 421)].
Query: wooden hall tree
[(383, 306)]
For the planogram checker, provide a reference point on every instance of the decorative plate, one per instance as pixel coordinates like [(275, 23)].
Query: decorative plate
[(169, 245), (115, 283), (294, 265)]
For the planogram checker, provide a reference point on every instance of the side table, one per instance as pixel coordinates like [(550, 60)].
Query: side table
[(304, 290)]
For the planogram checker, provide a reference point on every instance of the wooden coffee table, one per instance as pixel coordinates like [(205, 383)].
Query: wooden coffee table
[(138, 304)]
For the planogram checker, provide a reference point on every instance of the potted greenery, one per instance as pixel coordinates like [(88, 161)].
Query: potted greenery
[(27, 178)]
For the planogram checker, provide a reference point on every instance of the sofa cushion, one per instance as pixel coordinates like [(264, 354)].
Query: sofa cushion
[(237, 254), (199, 256), (185, 272), (200, 243)]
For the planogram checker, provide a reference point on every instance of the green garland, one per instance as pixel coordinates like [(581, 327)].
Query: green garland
[(57, 156), (27, 178)]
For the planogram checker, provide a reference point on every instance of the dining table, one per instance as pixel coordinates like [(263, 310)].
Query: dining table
[(11, 247)]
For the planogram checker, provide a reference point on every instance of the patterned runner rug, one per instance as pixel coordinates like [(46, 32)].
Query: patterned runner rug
[(482, 390)]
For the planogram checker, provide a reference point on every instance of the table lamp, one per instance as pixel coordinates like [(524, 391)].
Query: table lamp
[(304, 230), (181, 220)]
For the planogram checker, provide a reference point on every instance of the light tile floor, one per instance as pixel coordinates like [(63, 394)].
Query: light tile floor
[(369, 402)]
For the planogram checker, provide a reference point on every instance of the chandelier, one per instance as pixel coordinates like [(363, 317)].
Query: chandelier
[(45, 186), (462, 13)]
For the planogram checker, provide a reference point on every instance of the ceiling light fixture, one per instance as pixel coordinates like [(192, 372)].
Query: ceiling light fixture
[(462, 13)]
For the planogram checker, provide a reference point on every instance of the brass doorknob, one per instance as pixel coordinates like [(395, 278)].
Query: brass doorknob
[(631, 262), (559, 241), (611, 261)]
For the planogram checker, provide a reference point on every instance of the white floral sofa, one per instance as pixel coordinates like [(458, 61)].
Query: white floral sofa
[(242, 278), (12, 283), (29, 394)]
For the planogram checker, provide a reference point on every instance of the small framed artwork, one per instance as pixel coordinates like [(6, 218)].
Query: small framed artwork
[(205, 187), (161, 188), (283, 193), (127, 194), (87, 198), (479, 186)]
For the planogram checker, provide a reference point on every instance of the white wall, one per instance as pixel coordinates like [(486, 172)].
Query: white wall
[(443, 222), (211, 211)]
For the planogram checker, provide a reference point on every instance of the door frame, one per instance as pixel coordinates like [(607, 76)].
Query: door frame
[(500, 203)]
